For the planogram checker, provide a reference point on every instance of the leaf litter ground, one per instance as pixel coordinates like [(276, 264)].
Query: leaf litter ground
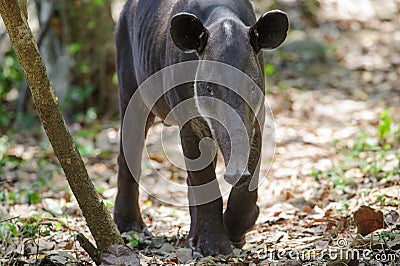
[(328, 87)]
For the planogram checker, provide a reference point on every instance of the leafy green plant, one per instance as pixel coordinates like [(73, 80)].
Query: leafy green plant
[(7, 161), (76, 94), (134, 239), (31, 228), (384, 129), (3, 147), (108, 203), (11, 79), (368, 154), (8, 230), (11, 75), (31, 195), (88, 117), (74, 104), (381, 199), (385, 236), (34, 226), (34, 197), (343, 208)]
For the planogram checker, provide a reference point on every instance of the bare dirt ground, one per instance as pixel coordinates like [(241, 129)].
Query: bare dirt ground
[(327, 87)]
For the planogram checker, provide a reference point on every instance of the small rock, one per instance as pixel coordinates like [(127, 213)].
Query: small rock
[(167, 248), (374, 263), (102, 141), (292, 263), (184, 255)]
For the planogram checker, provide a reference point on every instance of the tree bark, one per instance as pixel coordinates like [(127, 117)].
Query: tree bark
[(97, 217)]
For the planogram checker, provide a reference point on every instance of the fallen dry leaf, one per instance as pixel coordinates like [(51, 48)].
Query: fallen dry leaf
[(359, 242), (342, 225), (392, 217), (368, 220), (119, 255), (322, 244), (328, 212), (57, 258), (158, 157)]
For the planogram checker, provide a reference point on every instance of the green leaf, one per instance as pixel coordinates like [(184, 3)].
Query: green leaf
[(4, 120), (98, 2), (34, 198), (135, 238), (108, 203), (115, 78), (269, 70), (91, 115), (14, 229), (385, 123), (74, 47)]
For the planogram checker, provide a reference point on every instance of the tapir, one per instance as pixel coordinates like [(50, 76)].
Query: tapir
[(154, 34)]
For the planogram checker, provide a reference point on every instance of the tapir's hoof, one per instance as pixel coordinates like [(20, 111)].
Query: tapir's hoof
[(211, 245), (139, 227), (236, 229), (147, 233), (240, 243)]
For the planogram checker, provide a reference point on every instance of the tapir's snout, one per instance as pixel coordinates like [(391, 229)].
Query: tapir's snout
[(233, 136)]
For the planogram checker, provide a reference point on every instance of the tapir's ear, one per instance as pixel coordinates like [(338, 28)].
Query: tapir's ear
[(188, 33), (269, 31)]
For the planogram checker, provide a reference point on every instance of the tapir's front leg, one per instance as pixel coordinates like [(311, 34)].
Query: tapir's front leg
[(208, 236), (127, 211), (242, 210)]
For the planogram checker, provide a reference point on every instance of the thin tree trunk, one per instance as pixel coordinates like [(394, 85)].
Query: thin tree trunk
[(97, 217)]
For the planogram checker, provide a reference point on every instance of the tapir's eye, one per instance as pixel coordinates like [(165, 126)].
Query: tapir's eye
[(210, 90)]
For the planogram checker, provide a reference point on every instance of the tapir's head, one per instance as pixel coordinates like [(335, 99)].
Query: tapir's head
[(231, 112)]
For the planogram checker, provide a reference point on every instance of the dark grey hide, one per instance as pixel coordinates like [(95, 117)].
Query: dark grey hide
[(153, 34)]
